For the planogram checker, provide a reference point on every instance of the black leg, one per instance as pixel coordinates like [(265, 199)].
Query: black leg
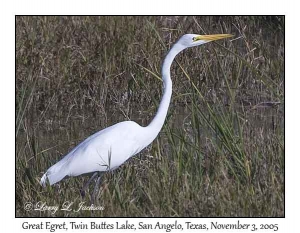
[(96, 189), (82, 191)]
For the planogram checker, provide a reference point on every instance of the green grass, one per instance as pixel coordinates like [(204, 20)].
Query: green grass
[(221, 150)]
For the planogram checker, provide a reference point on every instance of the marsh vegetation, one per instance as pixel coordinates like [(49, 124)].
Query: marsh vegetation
[(221, 151)]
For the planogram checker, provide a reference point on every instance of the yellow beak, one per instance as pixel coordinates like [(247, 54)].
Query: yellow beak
[(212, 37)]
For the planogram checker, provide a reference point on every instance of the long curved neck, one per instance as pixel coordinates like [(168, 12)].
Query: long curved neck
[(159, 119)]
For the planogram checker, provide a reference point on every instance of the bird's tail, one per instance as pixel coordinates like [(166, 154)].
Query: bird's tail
[(54, 174), (44, 180)]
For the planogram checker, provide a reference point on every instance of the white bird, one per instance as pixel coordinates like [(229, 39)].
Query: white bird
[(109, 148)]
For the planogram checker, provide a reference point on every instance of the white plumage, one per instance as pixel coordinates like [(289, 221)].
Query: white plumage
[(118, 143), (111, 147)]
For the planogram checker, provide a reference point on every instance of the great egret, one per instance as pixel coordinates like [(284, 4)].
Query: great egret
[(109, 148)]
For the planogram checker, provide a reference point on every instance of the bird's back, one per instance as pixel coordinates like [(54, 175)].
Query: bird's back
[(102, 151)]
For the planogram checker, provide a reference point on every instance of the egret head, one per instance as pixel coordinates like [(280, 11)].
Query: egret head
[(191, 40)]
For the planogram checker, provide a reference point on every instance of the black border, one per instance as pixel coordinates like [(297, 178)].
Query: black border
[(38, 217)]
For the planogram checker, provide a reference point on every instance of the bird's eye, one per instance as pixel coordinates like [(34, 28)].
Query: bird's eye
[(194, 38)]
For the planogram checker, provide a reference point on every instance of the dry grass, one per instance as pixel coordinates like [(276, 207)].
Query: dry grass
[(221, 151)]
